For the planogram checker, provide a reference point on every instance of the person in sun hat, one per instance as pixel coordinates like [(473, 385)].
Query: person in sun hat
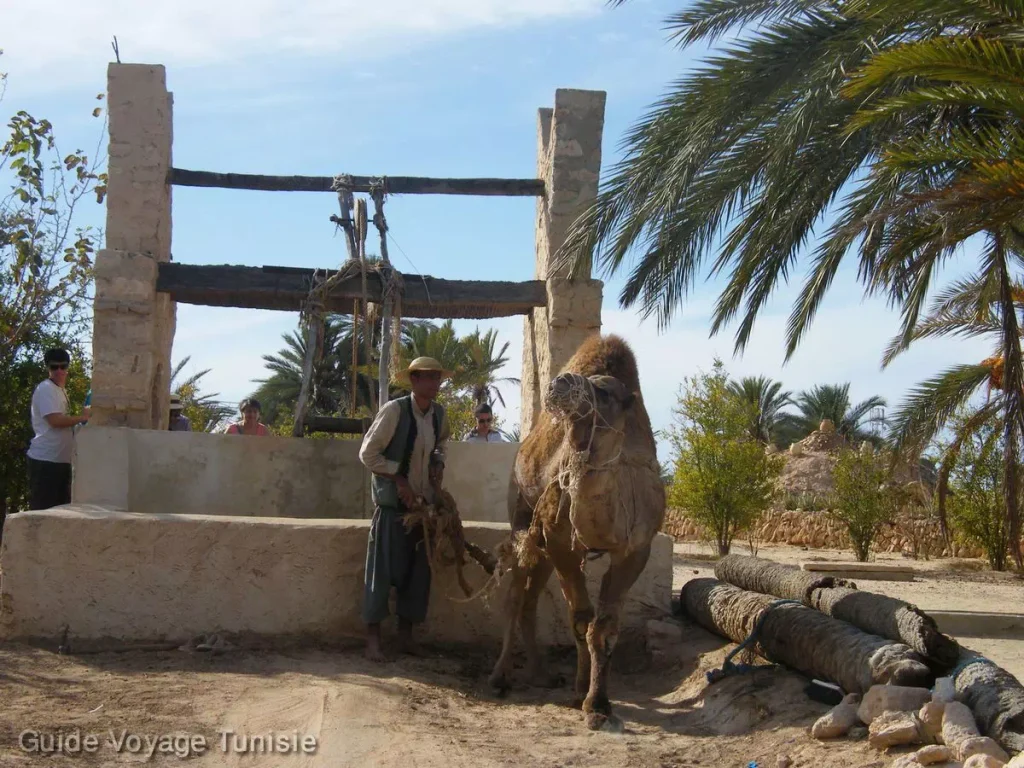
[(49, 453), (405, 450), (178, 423)]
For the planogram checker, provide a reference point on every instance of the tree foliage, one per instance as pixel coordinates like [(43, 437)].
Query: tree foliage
[(475, 361), (723, 479), (976, 508), (865, 498), (767, 401), (45, 273), (204, 411)]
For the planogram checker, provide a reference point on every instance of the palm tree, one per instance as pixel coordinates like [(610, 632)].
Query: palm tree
[(969, 182), (331, 391), (766, 400), (444, 345), (332, 373), (959, 312), (832, 402), (733, 169), (204, 411), (483, 364)]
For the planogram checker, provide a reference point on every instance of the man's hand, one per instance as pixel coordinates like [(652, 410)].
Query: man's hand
[(437, 473), (405, 493)]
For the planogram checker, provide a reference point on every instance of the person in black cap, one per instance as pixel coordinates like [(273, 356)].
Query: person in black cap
[(49, 454)]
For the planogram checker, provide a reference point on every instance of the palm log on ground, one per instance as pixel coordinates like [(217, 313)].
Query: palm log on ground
[(996, 697), (804, 639), (873, 613)]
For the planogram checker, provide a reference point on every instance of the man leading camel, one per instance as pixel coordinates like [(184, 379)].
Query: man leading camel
[(404, 449)]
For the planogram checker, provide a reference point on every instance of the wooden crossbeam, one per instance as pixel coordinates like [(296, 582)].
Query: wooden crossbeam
[(286, 288), (396, 185), (336, 425)]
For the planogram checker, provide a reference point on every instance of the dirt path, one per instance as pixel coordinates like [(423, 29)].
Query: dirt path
[(430, 712)]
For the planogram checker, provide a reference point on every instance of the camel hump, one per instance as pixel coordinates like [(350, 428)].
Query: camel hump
[(606, 356)]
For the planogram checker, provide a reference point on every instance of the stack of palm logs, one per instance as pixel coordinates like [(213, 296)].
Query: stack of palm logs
[(829, 630)]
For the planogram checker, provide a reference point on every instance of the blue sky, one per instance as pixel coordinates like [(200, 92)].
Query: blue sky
[(406, 87)]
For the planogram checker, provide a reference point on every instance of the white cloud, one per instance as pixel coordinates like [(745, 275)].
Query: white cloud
[(199, 33)]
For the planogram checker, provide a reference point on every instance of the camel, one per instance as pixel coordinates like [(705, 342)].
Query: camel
[(586, 482)]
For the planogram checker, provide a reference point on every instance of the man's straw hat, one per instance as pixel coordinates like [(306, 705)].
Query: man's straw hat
[(423, 364), (176, 403)]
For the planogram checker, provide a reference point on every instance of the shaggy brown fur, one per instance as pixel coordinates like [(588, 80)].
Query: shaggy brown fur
[(598, 356), (616, 506)]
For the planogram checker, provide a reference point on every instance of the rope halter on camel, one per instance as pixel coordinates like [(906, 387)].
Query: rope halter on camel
[(577, 401)]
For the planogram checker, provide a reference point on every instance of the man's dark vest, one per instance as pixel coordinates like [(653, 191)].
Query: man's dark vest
[(383, 490)]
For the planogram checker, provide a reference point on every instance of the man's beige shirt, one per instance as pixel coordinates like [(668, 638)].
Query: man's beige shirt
[(371, 453)]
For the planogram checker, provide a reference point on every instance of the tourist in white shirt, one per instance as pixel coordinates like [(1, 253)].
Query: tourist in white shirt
[(49, 454), (483, 432)]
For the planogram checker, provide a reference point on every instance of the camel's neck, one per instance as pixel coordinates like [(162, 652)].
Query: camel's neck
[(603, 444)]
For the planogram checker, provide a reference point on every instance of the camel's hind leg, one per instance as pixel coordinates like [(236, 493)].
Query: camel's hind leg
[(500, 678), (525, 580), (604, 631)]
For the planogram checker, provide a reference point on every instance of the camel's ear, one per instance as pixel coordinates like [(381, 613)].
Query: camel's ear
[(628, 400)]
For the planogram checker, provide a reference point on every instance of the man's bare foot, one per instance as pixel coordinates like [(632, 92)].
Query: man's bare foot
[(373, 649), (406, 644)]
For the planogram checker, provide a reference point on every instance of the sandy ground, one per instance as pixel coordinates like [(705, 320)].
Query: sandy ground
[(436, 711)]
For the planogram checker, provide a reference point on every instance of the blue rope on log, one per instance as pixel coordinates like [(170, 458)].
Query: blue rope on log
[(728, 668), (967, 663)]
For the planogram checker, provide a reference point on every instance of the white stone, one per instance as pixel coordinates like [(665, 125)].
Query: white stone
[(932, 754), (891, 729), (983, 761), (891, 698)]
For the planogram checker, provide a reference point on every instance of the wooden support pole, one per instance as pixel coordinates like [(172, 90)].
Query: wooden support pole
[(384, 376), (396, 185), (312, 331), (361, 230)]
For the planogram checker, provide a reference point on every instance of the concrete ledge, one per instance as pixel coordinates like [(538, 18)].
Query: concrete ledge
[(195, 473), (152, 577), (868, 571), (976, 624)]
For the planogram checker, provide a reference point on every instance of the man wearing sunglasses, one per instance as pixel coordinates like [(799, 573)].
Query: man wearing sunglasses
[(49, 455), (483, 433)]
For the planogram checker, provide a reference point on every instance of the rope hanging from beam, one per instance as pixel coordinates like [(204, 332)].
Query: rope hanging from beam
[(312, 312), (393, 287)]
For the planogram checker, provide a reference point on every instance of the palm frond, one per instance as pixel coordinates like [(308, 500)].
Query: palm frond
[(931, 404)]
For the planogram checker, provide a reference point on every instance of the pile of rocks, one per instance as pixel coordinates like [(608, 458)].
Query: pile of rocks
[(897, 717)]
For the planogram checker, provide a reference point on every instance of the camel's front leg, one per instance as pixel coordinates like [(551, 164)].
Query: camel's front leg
[(604, 631), (569, 567)]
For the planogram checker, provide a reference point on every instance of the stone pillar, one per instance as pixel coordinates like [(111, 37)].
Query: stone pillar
[(569, 162), (133, 326)]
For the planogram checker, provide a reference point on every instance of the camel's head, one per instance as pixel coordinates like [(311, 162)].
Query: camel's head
[(595, 408)]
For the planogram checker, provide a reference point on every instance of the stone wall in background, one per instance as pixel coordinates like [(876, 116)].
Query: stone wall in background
[(816, 530)]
